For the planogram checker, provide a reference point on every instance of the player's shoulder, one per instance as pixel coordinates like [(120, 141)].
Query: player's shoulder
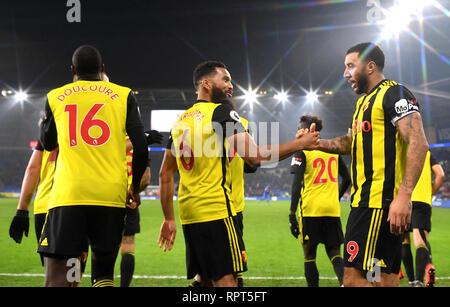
[(299, 156), (397, 90), (225, 112), (118, 86), (57, 90)]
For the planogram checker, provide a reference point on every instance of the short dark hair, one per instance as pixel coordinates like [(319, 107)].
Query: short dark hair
[(369, 52), (307, 120), (87, 60), (204, 69)]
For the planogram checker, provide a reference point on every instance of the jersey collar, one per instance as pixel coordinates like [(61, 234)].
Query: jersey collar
[(376, 86)]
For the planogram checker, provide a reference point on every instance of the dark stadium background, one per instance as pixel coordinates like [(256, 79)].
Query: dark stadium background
[(153, 47)]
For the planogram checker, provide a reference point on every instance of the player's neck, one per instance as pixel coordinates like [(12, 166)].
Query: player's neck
[(203, 96), (374, 81), (92, 77)]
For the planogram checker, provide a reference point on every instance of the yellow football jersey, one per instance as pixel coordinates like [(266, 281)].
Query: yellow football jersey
[(47, 173), (423, 190), (378, 150), (320, 192), (202, 159), (90, 118), (237, 176)]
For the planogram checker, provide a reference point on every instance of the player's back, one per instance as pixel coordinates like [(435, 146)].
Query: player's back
[(201, 154), (90, 118), (320, 194)]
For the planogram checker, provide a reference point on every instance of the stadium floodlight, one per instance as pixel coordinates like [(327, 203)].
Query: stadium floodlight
[(281, 96), (398, 18), (250, 96), (312, 97), (20, 96)]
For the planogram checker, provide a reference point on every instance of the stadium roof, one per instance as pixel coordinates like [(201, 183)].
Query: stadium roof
[(156, 44), (153, 47)]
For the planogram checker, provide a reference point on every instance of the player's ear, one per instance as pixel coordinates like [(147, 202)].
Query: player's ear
[(371, 67), (102, 68), (74, 71), (206, 84)]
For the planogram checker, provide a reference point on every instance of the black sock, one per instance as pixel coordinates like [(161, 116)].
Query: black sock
[(240, 279), (407, 259), (338, 266), (422, 259), (126, 269), (311, 273)]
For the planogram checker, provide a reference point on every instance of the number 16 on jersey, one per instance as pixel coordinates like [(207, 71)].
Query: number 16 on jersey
[(86, 124)]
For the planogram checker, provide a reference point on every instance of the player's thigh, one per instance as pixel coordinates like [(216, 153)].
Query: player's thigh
[(214, 249), (228, 280), (64, 232), (369, 244), (354, 277)]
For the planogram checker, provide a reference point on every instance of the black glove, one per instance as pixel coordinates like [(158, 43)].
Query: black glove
[(293, 224), (19, 225), (153, 136)]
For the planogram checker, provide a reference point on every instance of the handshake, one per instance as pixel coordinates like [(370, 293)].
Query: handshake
[(308, 138)]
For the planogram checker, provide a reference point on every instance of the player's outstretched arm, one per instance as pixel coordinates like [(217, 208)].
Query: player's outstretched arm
[(255, 155), (341, 145), (166, 183), (411, 129)]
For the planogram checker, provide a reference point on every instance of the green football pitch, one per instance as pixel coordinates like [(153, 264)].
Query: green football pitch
[(275, 258)]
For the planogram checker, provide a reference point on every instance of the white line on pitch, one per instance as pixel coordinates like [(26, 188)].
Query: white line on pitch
[(182, 277)]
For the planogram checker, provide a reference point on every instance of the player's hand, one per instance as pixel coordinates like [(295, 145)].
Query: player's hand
[(167, 234), (293, 224), (308, 138), (19, 225), (400, 214), (133, 199), (153, 136)]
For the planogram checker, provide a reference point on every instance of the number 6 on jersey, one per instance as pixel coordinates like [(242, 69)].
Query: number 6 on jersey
[(87, 123)]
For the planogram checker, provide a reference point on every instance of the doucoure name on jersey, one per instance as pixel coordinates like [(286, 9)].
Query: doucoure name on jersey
[(85, 88)]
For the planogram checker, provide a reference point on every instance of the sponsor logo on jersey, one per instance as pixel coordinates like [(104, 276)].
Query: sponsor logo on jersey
[(403, 106)]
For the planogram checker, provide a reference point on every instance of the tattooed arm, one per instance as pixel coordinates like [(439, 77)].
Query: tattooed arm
[(341, 145), (411, 129)]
